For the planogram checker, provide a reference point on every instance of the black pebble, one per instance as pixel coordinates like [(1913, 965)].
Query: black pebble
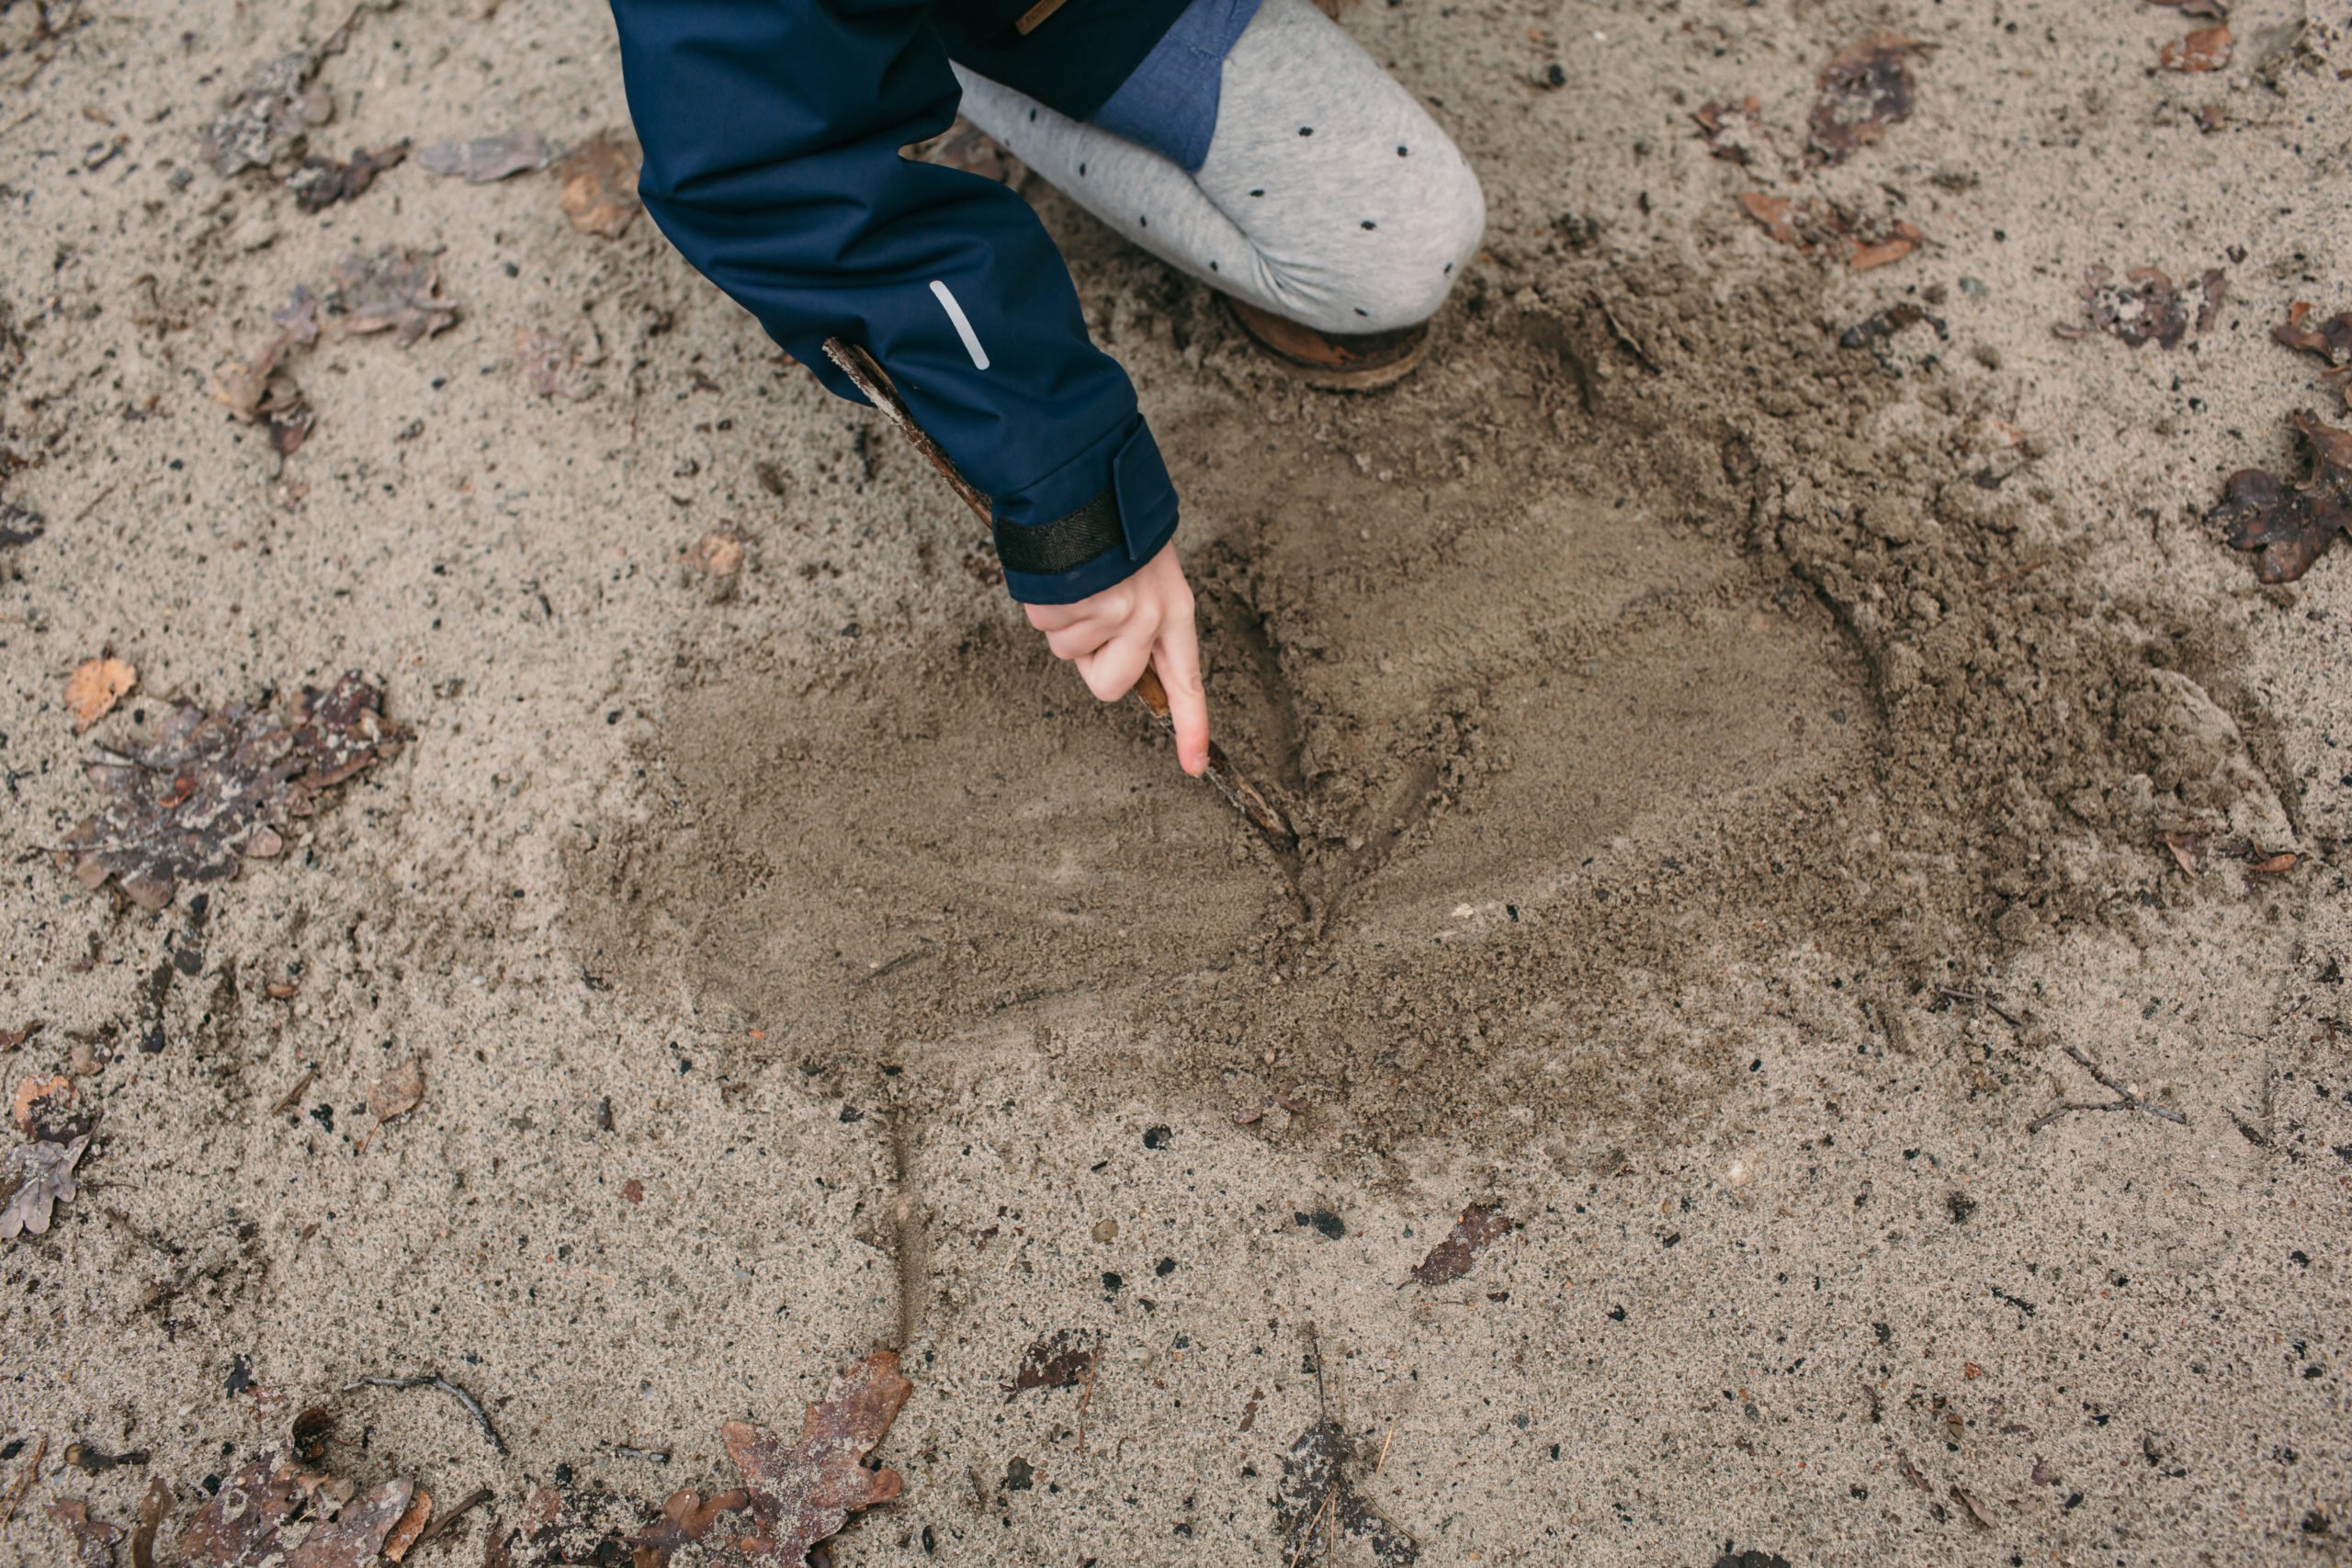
[(1111, 1282), (1616, 1315), (1155, 1137)]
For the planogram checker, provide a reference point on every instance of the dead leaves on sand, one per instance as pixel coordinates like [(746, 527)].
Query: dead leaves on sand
[(214, 787), (795, 1495), (2330, 338), (1864, 89), (393, 289), (274, 1512), (2207, 48), (2288, 526), (2146, 307), (1317, 1500), (34, 1178), (486, 159)]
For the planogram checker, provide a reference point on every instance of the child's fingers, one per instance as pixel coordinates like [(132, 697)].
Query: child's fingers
[(1178, 654), (1111, 670), (1077, 641)]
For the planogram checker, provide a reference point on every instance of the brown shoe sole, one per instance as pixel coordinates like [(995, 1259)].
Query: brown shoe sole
[(1358, 363)]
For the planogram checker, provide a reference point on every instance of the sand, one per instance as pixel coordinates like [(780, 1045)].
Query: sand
[(1734, 771)]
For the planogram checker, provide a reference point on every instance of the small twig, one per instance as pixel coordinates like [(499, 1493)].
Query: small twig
[(466, 1504), (91, 505), (2124, 1098), (25, 1479), (1085, 1396), (652, 1456), (1384, 1450), (431, 1380), (1982, 998), (294, 1096)]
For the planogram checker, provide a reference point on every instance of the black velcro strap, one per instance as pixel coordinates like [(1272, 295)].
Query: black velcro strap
[(1072, 539)]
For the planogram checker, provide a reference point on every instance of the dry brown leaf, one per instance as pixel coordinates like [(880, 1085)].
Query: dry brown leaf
[(241, 1526), (2275, 864), (599, 188), (1451, 1259), (214, 786), (2290, 525), (1865, 89), (412, 1524), (2207, 48), (95, 685), (1905, 238), (802, 1494), (2330, 338), (1773, 212), (2189, 849), (270, 115), (1971, 1369), (399, 1091), (259, 389)]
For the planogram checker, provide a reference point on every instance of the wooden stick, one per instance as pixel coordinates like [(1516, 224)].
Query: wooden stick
[(869, 377)]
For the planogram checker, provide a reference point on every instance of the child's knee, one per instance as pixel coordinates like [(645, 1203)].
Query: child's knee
[(1419, 252)]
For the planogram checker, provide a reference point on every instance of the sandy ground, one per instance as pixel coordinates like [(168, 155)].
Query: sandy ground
[(1681, 708)]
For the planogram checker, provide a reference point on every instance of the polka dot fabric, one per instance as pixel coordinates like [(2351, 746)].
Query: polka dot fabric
[(1328, 195)]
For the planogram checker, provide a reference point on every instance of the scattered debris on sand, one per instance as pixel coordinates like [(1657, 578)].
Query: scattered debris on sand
[(1318, 1499), (1864, 89), (2290, 525), (399, 1091), (214, 787), (1063, 1359), (1732, 132), (2146, 307), (319, 183), (394, 289)]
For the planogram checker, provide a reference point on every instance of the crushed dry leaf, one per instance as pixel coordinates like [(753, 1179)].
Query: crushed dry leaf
[(1317, 1499), (2146, 307), (95, 685), (393, 289), (216, 786), (2330, 338), (1866, 88), (2290, 525), (34, 1178), (2207, 48), (51, 1109), (93, 1538), (1452, 1258)]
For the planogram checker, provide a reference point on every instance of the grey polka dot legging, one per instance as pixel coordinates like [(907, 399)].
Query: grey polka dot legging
[(1326, 196)]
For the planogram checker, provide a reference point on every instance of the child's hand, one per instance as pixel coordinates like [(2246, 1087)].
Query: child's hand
[(1146, 620)]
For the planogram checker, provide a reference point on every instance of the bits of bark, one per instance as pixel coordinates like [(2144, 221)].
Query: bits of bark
[(2146, 307), (1059, 1360)]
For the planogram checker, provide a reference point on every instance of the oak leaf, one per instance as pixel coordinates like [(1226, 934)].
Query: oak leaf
[(95, 685), (2290, 525), (802, 1493)]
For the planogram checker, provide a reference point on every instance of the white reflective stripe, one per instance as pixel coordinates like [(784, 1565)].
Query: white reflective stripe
[(963, 324)]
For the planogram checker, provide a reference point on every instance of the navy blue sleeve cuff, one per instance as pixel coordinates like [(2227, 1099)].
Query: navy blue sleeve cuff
[(1124, 467)]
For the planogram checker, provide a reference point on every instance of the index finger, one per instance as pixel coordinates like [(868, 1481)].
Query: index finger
[(1178, 658)]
